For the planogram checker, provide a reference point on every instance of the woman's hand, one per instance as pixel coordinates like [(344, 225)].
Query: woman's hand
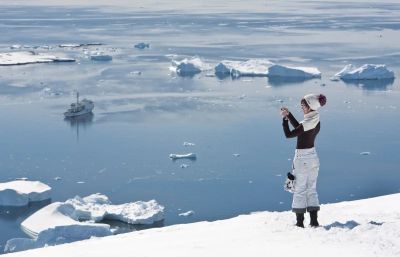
[(284, 112)]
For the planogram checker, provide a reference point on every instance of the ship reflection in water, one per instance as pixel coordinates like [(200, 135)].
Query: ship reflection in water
[(81, 121)]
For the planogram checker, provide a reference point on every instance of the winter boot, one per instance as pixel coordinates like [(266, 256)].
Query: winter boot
[(300, 220), (314, 219)]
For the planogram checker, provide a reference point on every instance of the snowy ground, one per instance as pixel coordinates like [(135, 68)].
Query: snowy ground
[(362, 228)]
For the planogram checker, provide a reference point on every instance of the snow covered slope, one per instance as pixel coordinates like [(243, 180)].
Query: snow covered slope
[(362, 228)]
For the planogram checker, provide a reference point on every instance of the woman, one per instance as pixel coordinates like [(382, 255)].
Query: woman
[(305, 162)]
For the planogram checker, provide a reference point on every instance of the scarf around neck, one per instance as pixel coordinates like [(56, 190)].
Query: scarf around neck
[(310, 121)]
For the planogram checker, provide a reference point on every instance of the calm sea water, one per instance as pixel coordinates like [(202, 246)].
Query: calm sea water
[(139, 119)]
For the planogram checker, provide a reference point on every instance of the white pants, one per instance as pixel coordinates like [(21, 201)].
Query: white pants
[(305, 169)]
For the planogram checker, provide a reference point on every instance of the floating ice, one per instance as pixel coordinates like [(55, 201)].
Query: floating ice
[(184, 166), (236, 154), (252, 68), (142, 46), (21, 192), (73, 45), (29, 57), (367, 71), (293, 72), (188, 144), (188, 67), (186, 214), (74, 219), (182, 156), (99, 56), (97, 207)]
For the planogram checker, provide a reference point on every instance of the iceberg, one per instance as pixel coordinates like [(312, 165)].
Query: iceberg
[(188, 67), (249, 68), (21, 192), (29, 57), (142, 45), (365, 72), (282, 71)]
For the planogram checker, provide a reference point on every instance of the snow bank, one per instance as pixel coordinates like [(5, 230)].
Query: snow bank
[(75, 220), (293, 72), (21, 192), (367, 71), (365, 228), (188, 67), (252, 68), (174, 156), (29, 57)]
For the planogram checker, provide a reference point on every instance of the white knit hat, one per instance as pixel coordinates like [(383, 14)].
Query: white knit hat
[(315, 101)]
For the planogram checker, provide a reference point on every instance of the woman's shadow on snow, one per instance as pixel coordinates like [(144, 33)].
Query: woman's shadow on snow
[(349, 224)]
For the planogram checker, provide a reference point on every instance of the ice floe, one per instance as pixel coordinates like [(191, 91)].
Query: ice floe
[(188, 67), (21, 192), (235, 69), (186, 214), (75, 45), (367, 71), (97, 207), (142, 45), (174, 156), (99, 56), (188, 144), (293, 72), (29, 57), (75, 219)]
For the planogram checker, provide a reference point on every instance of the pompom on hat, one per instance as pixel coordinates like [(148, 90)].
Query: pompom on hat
[(315, 101)]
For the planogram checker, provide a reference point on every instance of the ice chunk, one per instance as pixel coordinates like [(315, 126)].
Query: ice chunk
[(174, 156), (52, 216), (188, 67), (97, 207), (99, 56), (293, 72), (188, 144), (252, 67), (74, 45), (29, 57), (21, 192), (186, 214), (367, 71), (142, 46)]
